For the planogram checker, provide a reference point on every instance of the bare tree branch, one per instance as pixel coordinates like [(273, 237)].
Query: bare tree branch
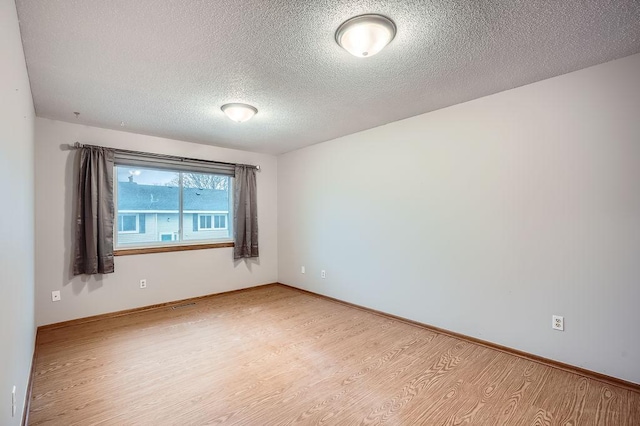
[(203, 181)]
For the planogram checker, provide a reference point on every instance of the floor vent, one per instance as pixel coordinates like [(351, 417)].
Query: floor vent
[(183, 305)]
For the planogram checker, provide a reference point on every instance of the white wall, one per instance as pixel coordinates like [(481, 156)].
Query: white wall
[(17, 332), (486, 218), (170, 276)]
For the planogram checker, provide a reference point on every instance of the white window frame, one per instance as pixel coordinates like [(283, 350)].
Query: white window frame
[(226, 221), (203, 215), (118, 222)]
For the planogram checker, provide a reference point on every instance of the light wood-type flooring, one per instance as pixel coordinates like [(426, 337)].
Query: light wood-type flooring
[(275, 356)]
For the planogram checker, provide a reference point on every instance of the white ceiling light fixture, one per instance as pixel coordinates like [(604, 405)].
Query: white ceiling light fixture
[(239, 112), (365, 35)]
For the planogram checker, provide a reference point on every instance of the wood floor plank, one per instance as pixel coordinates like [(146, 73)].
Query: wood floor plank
[(276, 356)]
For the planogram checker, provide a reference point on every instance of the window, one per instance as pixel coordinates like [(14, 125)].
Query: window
[(205, 222), (127, 223), (220, 221), (160, 207), (208, 222)]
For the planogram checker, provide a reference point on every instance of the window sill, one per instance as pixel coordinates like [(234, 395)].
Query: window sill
[(165, 249)]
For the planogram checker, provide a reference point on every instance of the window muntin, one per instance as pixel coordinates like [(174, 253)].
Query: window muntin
[(172, 207)]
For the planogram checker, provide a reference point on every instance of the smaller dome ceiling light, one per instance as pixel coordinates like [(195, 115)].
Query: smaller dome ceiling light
[(365, 35), (239, 112)]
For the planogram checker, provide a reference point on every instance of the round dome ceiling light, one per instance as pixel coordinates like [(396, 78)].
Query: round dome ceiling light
[(365, 35), (239, 112)]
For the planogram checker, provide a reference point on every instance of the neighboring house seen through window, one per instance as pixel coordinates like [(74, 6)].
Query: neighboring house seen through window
[(157, 207)]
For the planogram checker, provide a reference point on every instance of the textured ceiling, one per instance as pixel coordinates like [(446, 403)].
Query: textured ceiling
[(166, 67)]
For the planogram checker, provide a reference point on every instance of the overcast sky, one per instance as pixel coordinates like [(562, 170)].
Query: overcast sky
[(145, 176)]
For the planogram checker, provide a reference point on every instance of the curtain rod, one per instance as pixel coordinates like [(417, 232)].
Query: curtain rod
[(78, 145)]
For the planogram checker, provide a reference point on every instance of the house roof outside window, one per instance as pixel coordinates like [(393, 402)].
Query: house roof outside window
[(136, 197)]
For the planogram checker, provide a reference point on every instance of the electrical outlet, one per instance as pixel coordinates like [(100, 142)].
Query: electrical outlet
[(557, 322), (13, 401), (302, 270), (323, 274), (143, 283), (55, 296)]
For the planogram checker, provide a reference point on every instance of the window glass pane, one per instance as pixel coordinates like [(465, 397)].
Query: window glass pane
[(148, 206), (204, 195), (220, 221), (148, 203), (129, 222), (205, 221)]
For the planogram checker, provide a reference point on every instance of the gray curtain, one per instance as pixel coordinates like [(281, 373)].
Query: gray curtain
[(245, 213), (94, 212)]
